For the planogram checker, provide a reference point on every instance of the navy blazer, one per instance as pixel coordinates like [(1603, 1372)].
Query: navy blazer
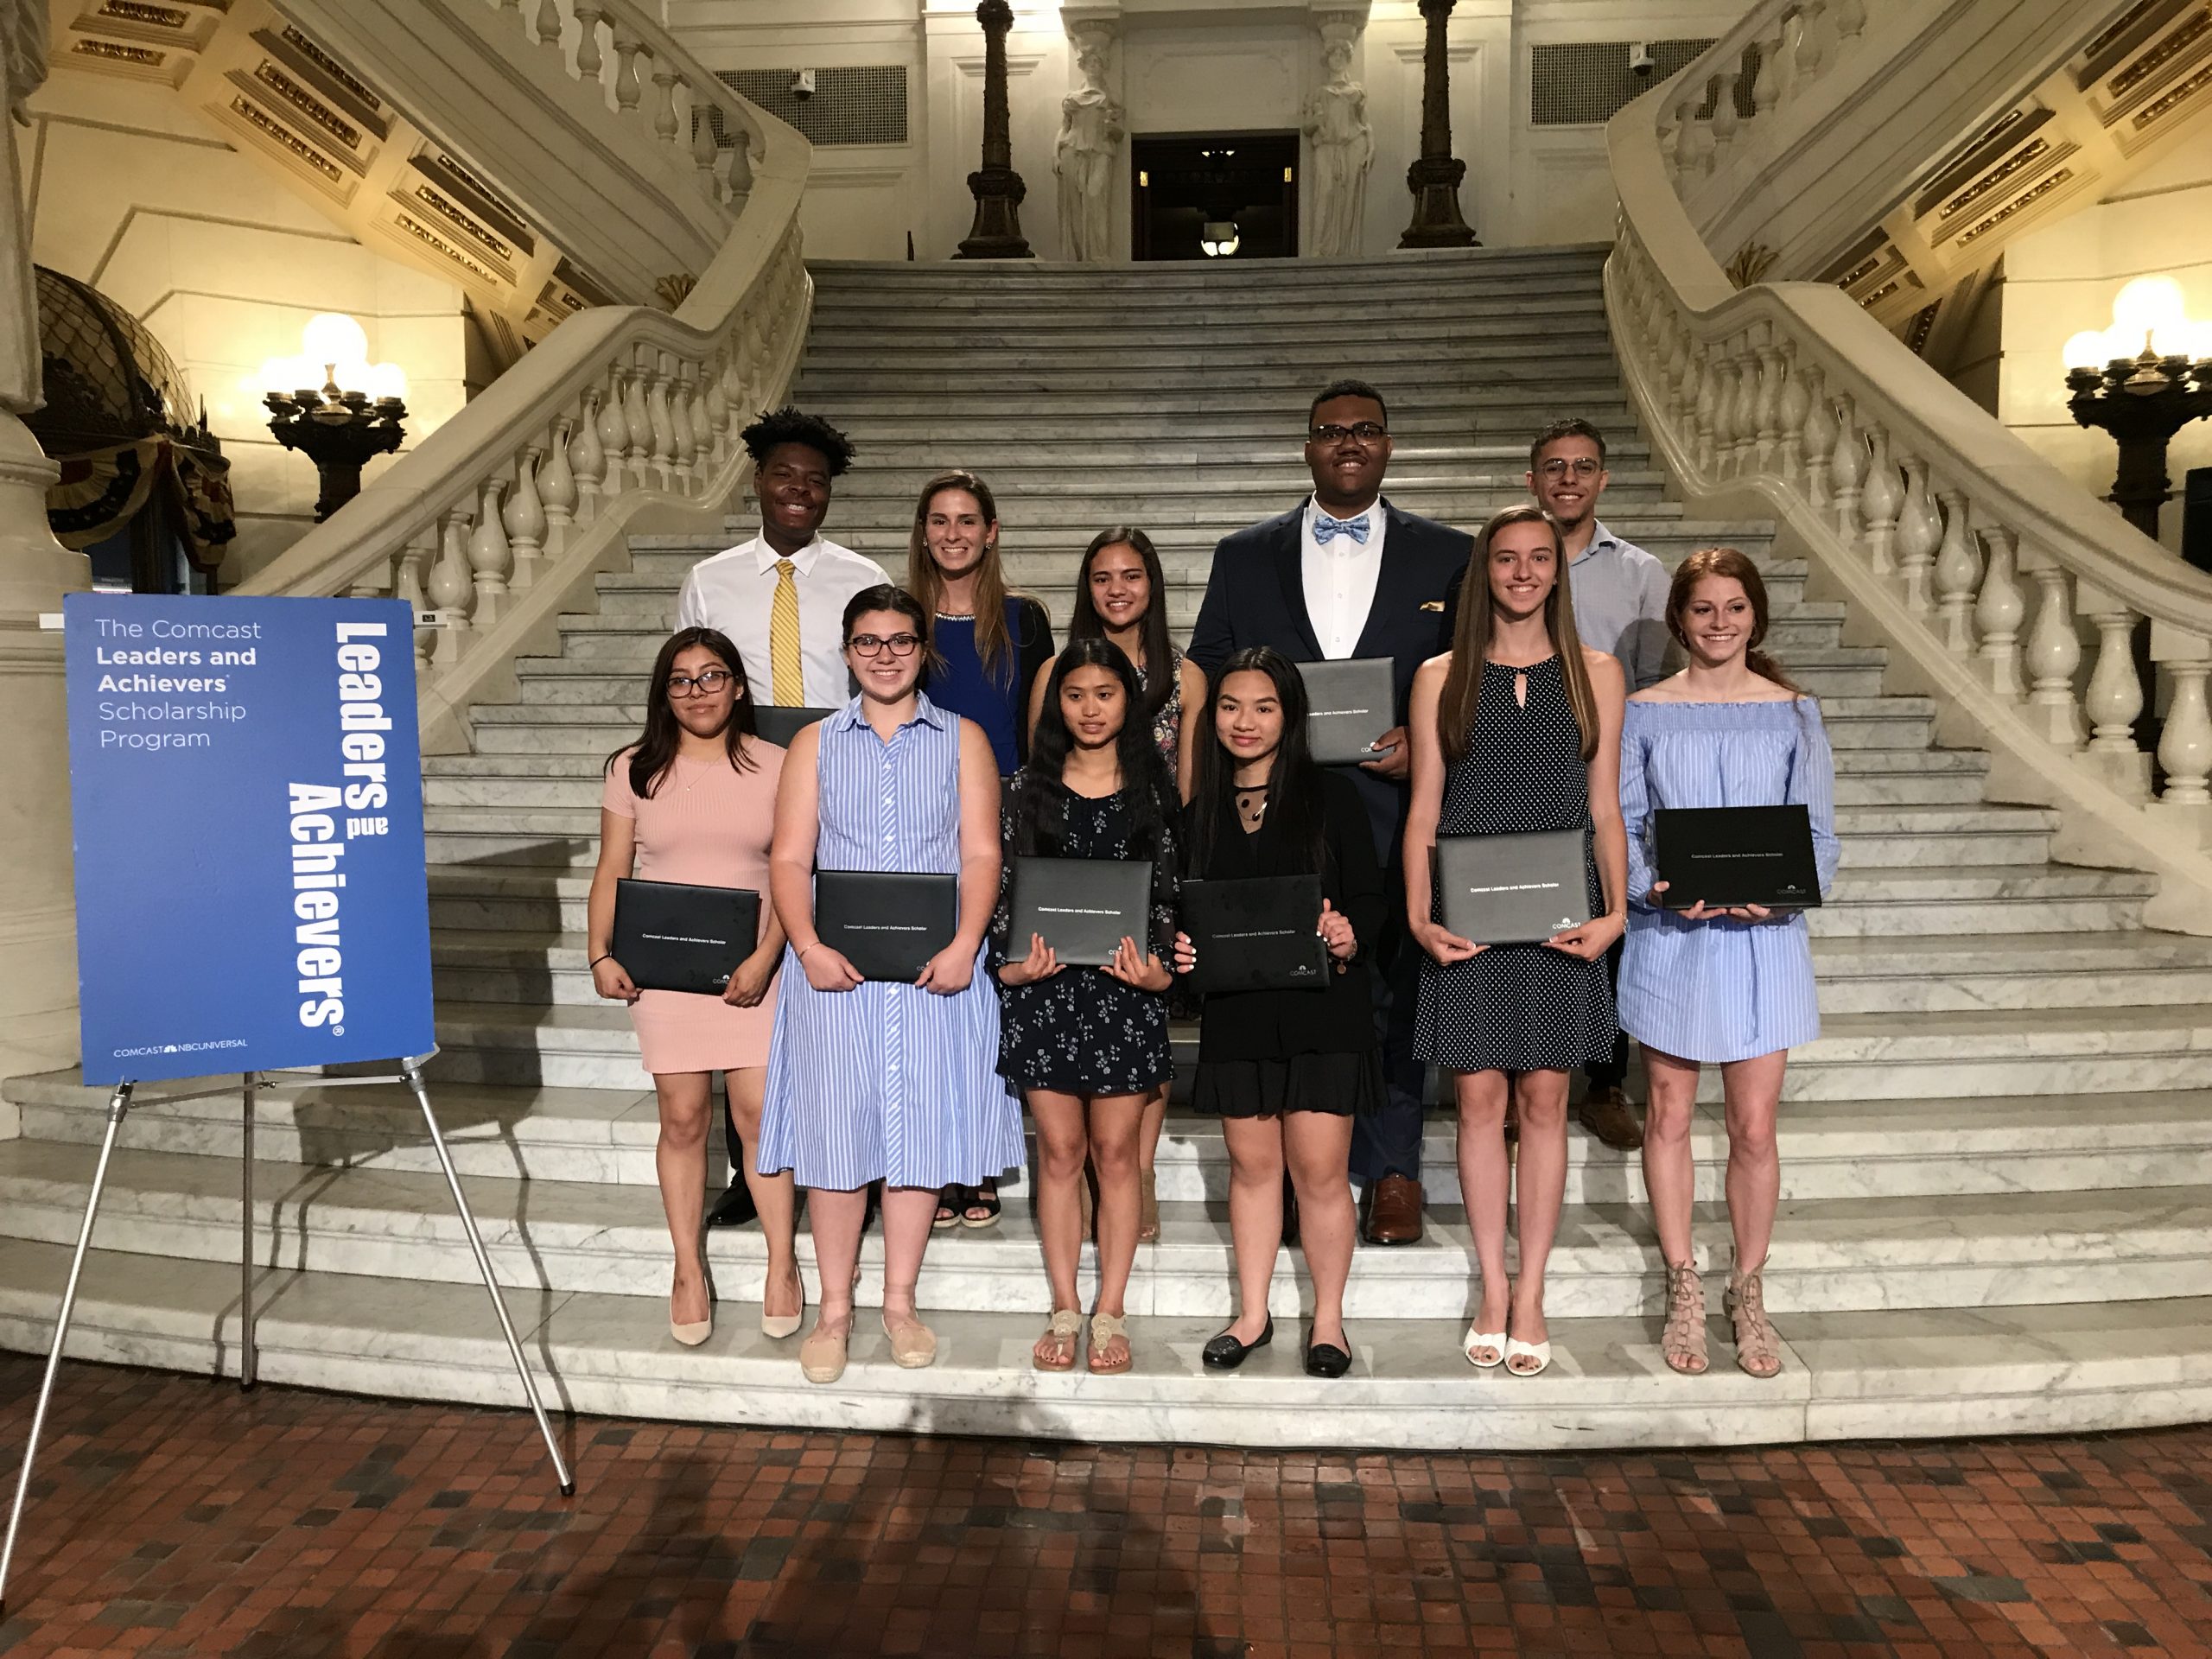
[(1255, 595)]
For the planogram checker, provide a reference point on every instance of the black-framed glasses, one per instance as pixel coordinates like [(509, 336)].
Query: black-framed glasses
[(875, 644), (1581, 466), (1360, 432), (702, 685)]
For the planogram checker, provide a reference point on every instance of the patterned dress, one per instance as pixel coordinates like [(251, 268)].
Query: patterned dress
[(1083, 1031), (1721, 990), (1518, 1007), (1167, 724), (887, 1081)]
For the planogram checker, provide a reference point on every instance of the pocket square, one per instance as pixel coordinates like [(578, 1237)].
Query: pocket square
[(1433, 605)]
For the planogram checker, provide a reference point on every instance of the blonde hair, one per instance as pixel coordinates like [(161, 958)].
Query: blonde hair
[(1470, 638)]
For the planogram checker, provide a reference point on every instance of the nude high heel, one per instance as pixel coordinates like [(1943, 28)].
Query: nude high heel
[(777, 1326)]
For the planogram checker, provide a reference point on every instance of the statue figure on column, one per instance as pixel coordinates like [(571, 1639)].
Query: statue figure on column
[(1090, 131), (1344, 147), (22, 64)]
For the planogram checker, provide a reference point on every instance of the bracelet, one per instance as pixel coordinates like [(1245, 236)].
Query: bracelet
[(595, 961), (801, 957)]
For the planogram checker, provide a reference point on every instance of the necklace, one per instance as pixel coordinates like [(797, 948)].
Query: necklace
[(1252, 804)]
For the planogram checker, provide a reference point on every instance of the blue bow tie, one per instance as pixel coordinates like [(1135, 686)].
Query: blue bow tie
[(1326, 530)]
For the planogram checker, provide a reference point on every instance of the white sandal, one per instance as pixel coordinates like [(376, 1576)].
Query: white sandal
[(1538, 1351), (1493, 1340)]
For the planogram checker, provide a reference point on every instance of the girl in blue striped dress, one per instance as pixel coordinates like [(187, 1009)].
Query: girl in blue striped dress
[(1728, 988), (869, 1081)]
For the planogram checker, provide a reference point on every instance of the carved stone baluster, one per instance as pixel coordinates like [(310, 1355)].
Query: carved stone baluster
[(491, 560), (2054, 652), (1879, 500), (1766, 85), (626, 89), (453, 594), (703, 428), (1958, 568), (1743, 409), (1846, 467), (664, 427), (1812, 40), (703, 153), (1765, 408), (637, 420), (740, 168), (717, 408), (1850, 22), (665, 125), (548, 22), (1686, 143), (1725, 122), (524, 518), (2185, 746), (412, 584), (556, 489), (1920, 531), (1671, 121), (589, 60), (614, 431), (1703, 408), (1791, 408), (679, 418), (587, 457), (1998, 610), (1820, 437), (2114, 697)]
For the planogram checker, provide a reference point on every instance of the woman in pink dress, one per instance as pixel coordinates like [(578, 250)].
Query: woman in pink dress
[(694, 801)]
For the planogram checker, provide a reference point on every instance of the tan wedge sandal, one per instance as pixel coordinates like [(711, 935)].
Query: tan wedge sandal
[(1759, 1351), (1683, 1343)]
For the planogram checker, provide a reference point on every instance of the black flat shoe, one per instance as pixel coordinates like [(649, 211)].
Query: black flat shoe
[(735, 1207), (1322, 1359), (1225, 1353)]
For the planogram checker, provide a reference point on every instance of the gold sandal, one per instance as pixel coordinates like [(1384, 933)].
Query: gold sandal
[(1683, 1343), (1064, 1335), (1104, 1328), (1759, 1351)]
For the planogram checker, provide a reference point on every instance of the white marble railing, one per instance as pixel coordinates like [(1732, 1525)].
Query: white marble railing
[(498, 520), (1780, 51), (2010, 594)]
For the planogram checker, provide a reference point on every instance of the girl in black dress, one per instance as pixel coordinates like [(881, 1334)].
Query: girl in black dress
[(1516, 728), (1285, 1069), (1087, 1044)]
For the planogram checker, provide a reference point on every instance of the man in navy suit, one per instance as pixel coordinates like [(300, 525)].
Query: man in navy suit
[(1345, 574)]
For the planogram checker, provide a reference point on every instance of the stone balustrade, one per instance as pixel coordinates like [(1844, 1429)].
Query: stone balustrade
[(1776, 53)]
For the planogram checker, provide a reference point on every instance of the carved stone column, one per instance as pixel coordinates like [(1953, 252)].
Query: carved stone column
[(38, 990), (1434, 178), (998, 189)]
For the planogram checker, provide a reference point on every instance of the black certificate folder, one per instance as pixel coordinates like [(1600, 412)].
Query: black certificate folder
[(1084, 907), (1256, 934), (1512, 889), (1348, 705), (886, 923), (1736, 855), (779, 723), (671, 937)]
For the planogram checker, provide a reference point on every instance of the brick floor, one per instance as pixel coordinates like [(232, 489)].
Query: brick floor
[(174, 1517)]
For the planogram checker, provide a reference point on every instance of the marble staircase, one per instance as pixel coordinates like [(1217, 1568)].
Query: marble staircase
[(1997, 1159)]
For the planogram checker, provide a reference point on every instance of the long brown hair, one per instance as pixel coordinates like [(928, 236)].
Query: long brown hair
[(1085, 623), (653, 754), (1736, 566), (994, 645), (1455, 709)]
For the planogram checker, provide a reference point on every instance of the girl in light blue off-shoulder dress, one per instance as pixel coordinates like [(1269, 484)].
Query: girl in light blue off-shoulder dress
[(1726, 987)]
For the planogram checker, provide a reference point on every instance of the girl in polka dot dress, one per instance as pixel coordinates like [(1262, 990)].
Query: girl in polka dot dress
[(1516, 729)]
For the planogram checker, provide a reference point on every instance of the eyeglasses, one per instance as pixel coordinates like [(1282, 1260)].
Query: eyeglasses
[(1581, 466), (702, 685), (1364, 432), (899, 645)]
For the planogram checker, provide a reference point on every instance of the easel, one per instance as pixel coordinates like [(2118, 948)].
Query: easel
[(411, 1073)]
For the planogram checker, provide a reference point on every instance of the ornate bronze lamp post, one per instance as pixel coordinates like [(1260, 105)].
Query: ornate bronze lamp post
[(1434, 178), (339, 430), (998, 189), (2145, 399)]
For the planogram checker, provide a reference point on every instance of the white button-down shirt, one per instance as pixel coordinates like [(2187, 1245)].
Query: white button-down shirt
[(735, 591), (1340, 579)]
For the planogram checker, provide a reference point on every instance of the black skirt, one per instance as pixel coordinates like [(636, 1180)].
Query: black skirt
[(1343, 1085)]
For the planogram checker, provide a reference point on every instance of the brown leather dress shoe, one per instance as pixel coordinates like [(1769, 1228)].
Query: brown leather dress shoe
[(1607, 1115), (1392, 1212)]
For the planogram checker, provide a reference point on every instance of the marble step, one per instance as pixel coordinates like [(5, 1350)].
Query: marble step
[(1884, 1055), (1473, 405), (1445, 315), (1180, 452), (1829, 1149), (1381, 349), (1506, 421), (1287, 385), (1310, 357), (1061, 494), (1479, 272), (1947, 1372), (1829, 1255)]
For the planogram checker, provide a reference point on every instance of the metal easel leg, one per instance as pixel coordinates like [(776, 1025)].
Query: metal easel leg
[(413, 1071), (249, 1359), (118, 1104)]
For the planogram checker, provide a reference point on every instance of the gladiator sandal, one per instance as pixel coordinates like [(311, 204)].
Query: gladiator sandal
[(1683, 1343), (1759, 1351)]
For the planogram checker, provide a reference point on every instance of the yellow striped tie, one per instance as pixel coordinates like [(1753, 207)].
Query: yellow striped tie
[(786, 670)]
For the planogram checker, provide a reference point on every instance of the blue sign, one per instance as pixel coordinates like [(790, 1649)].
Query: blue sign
[(246, 785)]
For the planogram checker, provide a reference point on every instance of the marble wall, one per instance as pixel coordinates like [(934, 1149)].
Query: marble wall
[(131, 192)]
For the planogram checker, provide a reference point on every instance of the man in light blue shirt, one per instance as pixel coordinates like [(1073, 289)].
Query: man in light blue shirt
[(1620, 606)]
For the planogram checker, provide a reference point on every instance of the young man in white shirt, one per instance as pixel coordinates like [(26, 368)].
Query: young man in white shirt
[(781, 596), (1620, 606)]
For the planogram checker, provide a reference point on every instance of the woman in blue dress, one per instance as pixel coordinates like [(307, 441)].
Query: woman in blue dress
[(986, 648), (1732, 987), (869, 1081)]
